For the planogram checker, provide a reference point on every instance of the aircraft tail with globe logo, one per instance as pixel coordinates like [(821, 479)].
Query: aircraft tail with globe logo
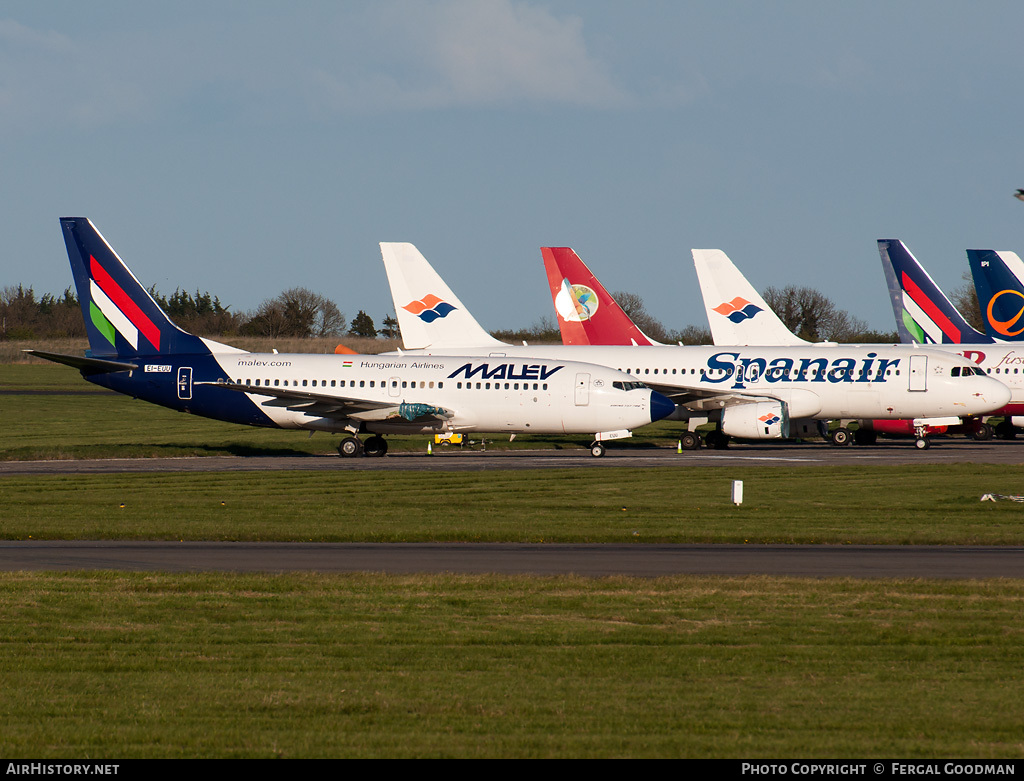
[(586, 312)]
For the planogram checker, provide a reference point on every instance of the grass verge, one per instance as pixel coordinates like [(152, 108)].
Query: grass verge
[(924, 504), (152, 665)]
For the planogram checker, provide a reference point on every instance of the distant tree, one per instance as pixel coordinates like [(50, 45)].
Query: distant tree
[(965, 299), (389, 327), (692, 334), (362, 325), (633, 306), (543, 331), (297, 312), (19, 312), (813, 316), (23, 316)]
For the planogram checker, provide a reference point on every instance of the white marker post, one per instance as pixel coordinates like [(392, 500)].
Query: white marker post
[(737, 492)]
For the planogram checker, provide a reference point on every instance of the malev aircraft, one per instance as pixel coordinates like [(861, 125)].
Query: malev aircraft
[(924, 315), (138, 351), (998, 276), (752, 392)]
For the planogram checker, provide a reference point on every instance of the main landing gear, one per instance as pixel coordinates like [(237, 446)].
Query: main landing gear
[(596, 449), (352, 447)]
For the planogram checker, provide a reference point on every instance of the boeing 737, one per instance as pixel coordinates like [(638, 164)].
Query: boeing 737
[(751, 392), (924, 315), (138, 351)]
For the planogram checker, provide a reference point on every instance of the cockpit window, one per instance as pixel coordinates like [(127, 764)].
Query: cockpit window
[(628, 386)]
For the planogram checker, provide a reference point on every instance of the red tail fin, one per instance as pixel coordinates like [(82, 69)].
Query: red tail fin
[(586, 312)]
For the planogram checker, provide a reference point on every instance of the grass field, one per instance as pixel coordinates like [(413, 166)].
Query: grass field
[(152, 665), (122, 665)]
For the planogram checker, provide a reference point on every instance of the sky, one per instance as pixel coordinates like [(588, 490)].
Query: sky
[(244, 148)]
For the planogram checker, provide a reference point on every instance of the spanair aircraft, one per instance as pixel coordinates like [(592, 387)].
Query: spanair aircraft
[(738, 315), (754, 393), (138, 351), (924, 315), (721, 280), (736, 312), (998, 282)]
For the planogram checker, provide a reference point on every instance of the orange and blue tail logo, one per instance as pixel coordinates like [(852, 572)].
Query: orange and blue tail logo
[(737, 310), (429, 308), (1000, 293)]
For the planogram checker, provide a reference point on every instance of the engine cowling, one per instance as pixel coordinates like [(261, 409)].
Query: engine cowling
[(757, 420)]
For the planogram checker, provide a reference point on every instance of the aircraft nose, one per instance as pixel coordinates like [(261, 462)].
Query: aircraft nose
[(998, 395), (661, 406)]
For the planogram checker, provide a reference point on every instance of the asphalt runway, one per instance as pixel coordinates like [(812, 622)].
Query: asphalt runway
[(517, 559), (896, 452), (810, 561)]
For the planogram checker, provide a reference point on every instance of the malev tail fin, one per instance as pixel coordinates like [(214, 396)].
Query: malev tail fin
[(736, 312), (923, 313), (121, 318), (999, 282), (429, 313), (586, 312)]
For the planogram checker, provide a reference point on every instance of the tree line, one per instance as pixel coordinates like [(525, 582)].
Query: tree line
[(303, 313), (297, 312)]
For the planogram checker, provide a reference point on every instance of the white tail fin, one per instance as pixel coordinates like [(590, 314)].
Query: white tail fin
[(736, 312), (429, 313)]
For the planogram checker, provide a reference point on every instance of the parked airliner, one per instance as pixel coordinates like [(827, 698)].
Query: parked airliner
[(999, 282), (924, 315), (752, 392), (138, 351), (738, 315)]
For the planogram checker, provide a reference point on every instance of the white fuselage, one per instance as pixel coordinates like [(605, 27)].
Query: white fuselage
[(465, 393), (822, 382)]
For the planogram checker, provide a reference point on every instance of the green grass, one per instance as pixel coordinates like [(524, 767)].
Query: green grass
[(124, 665), (917, 505), (136, 665), (76, 419)]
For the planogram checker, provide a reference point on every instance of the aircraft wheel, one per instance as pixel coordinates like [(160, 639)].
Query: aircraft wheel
[(596, 449), (982, 432), (375, 447), (717, 440), (350, 447), (690, 441), (1005, 430), (922, 444), (865, 436), (840, 437)]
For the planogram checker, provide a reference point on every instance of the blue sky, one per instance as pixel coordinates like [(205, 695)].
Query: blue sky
[(243, 148)]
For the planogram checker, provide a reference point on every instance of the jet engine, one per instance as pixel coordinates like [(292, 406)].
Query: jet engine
[(756, 420)]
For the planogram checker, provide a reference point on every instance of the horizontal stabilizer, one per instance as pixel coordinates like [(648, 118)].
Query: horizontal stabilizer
[(87, 365)]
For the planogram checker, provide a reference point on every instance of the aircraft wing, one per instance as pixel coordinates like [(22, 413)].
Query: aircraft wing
[(341, 407), (705, 399)]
